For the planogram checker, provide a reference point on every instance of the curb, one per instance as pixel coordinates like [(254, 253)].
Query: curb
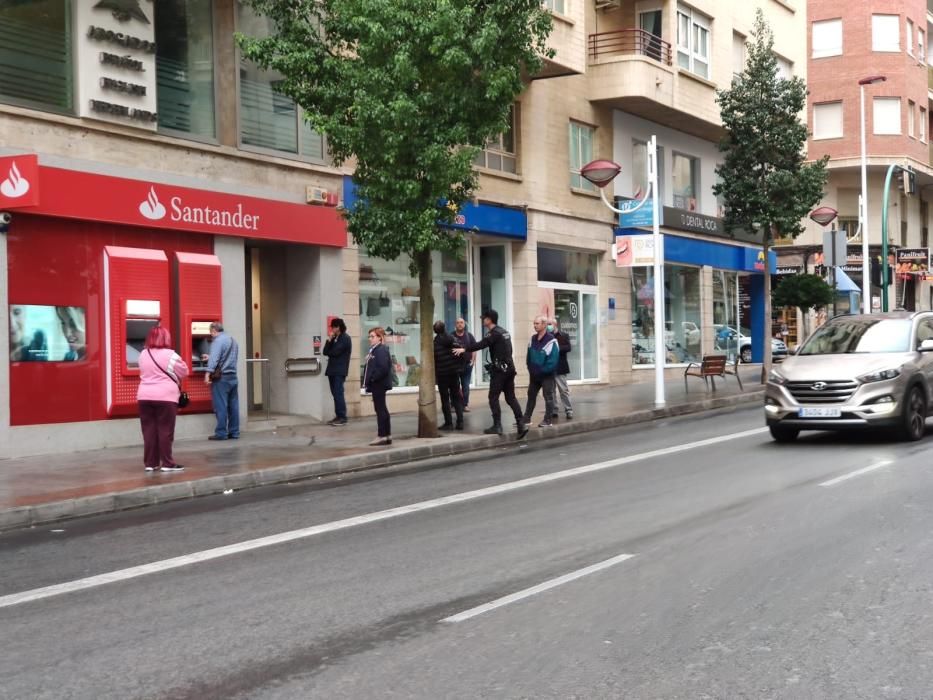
[(55, 511)]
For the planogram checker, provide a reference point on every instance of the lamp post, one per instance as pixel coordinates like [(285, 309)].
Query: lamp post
[(824, 216), (863, 209), (601, 173)]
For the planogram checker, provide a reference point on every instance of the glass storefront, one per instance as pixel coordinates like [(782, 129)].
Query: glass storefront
[(727, 331), (682, 323)]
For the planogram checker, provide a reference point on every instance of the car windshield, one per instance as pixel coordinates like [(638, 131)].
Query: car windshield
[(859, 335)]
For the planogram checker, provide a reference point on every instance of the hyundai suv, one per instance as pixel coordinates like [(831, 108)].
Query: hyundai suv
[(856, 371)]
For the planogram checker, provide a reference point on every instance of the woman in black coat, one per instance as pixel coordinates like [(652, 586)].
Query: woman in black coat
[(377, 380)]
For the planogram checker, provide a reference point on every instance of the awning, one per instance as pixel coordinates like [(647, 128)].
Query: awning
[(844, 283)]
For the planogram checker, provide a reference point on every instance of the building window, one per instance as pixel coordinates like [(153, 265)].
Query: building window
[(849, 224), (909, 37), (827, 38), (921, 45), (923, 124), (581, 153), (185, 66), (500, 152), (827, 121), (554, 5), (886, 115), (270, 120), (693, 41), (36, 68), (911, 108), (685, 179), (785, 69), (568, 267), (738, 54), (885, 33), (682, 325)]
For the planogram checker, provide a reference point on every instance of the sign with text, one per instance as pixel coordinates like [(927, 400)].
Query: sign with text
[(634, 251), (630, 217), (913, 261), (686, 220)]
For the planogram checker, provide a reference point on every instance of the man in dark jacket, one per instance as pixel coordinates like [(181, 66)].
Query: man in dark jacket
[(563, 369), (447, 369), (541, 359), (501, 369), (337, 349)]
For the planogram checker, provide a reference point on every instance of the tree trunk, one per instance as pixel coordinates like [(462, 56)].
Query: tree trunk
[(766, 358), (427, 401)]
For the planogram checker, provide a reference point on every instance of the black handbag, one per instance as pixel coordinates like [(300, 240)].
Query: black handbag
[(183, 399)]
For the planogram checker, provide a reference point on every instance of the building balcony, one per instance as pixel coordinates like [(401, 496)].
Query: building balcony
[(568, 39), (632, 70)]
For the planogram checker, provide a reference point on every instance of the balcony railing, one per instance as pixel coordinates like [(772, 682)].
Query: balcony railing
[(635, 42)]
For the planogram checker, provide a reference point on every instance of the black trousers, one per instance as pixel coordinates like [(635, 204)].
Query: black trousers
[(499, 383), (383, 422), (449, 386), (535, 385)]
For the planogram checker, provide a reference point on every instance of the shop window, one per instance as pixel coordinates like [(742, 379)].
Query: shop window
[(885, 33), (185, 67), (577, 317), (686, 181), (581, 153), (47, 333), (36, 67), (682, 324), (728, 334), (827, 38), (390, 298), (886, 115), (567, 267), (500, 152), (693, 41), (270, 120)]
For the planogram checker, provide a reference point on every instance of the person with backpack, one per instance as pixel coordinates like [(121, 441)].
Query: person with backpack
[(447, 371), (541, 359)]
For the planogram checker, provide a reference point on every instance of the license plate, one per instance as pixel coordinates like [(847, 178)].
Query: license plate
[(821, 412)]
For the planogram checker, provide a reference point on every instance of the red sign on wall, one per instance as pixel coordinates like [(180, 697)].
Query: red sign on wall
[(79, 195)]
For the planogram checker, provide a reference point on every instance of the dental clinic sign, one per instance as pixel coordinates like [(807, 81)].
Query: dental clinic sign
[(74, 194)]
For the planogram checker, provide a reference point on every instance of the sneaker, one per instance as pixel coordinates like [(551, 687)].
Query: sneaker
[(459, 426), (569, 415), (152, 469), (379, 441), (522, 430), (494, 429), (173, 468), (216, 437), (466, 409), (555, 415), (337, 422), (545, 424), (446, 426)]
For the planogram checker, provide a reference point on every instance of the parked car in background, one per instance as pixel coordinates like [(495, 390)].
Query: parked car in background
[(728, 338), (856, 371)]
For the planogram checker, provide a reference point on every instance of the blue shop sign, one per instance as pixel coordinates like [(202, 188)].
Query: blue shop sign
[(694, 251), (639, 217), (490, 219)]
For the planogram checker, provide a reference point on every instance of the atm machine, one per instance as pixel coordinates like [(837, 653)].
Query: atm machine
[(198, 300), (136, 298)]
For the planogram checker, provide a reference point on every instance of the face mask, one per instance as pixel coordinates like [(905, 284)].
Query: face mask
[(550, 328)]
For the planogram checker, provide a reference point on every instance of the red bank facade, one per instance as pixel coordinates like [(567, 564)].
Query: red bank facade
[(93, 261)]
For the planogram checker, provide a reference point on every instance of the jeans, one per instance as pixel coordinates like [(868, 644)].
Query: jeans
[(465, 384), (534, 386), (383, 421), (157, 419), (449, 386), (503, 382), (226, 407), (336, 390), (564, 391)]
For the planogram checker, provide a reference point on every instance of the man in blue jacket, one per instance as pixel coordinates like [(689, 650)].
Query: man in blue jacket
[(542, 358), (337, 349)]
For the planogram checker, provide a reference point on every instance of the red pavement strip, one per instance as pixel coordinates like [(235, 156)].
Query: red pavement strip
[(43, 500)]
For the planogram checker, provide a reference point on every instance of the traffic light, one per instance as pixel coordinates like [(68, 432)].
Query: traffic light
[(908, 181), (876, 271)]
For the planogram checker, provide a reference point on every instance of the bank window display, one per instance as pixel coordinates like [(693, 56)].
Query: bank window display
[(682, 323), (36, 54), (390, 298), (729, 336), (47, 333), (270, 120), (185, 66), (685, 179)]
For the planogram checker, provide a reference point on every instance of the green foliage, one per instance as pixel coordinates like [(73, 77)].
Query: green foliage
[(406, 91), (803, 291), (764, 179)]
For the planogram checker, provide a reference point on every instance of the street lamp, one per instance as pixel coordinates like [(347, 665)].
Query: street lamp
[(863, 209), (601, 173), (824, 216)]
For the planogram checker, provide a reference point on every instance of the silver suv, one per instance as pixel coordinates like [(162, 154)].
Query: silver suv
[(854, 372)]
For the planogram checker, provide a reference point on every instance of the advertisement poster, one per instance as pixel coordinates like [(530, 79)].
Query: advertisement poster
[(47, 333), (634, 251), (913, 261)]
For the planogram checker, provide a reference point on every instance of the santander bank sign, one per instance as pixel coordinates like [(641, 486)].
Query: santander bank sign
[(181, 212)]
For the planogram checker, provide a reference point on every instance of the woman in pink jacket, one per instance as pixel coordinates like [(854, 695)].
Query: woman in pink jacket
[(161, 371)]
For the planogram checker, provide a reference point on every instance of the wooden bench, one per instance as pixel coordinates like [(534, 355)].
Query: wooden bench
[(710, 367)]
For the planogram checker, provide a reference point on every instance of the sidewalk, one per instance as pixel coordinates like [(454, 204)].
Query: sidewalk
[(37, 490)]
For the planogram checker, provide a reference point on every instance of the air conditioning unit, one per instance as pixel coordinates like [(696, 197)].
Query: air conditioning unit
[(316, 195), (608, 4)]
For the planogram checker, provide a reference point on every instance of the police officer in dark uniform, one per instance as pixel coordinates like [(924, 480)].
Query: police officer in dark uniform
[(501, 368)]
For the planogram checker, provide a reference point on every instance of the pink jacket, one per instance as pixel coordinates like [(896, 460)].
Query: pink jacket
[(154, 384)]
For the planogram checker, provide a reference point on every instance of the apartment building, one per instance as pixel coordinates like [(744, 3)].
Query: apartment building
[(879, 50), (152, 174)]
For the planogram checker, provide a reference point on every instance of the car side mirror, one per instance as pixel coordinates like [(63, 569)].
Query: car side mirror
[(926, 345)]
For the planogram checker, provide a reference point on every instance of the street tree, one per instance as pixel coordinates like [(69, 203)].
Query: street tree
[(804, 292), (406, 91), (765, 181)]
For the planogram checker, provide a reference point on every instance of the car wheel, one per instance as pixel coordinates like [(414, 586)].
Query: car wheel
[(746, 354), (782, 433), (915, 412)]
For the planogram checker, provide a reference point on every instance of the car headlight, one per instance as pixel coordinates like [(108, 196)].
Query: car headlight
[(776, 377), (880, 375)]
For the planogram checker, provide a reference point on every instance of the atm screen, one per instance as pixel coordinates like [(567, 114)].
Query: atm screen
[(199, 346), (136, 331)]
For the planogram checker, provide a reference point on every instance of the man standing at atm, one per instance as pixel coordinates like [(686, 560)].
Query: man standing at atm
[(221, 375)]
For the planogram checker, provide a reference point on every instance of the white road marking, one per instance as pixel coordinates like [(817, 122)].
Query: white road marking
[(304, 533), (857, 472), (534, 590)]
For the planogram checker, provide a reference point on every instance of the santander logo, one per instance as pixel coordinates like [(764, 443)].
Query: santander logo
[(15, 184), (151, 207)]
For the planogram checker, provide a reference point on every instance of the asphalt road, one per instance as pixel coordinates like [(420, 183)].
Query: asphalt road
[(754, 571)]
